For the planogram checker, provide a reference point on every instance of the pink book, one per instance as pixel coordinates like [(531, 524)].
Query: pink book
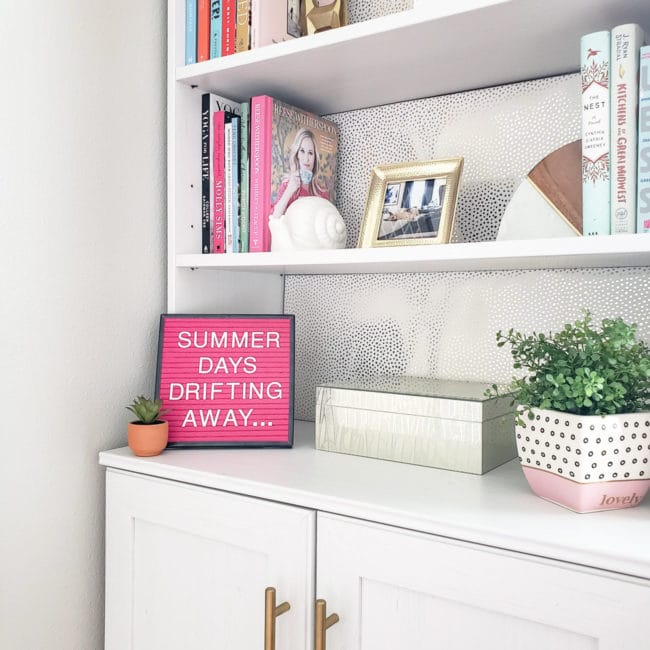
[(260, 188), (218, 187), (293, 153)]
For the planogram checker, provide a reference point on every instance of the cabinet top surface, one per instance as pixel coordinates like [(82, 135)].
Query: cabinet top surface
[(496, 509)]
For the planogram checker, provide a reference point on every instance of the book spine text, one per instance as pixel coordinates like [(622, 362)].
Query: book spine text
[(625, 45), (244, 216), (260, 153), (203, 30), (594, 68), (215, 29)]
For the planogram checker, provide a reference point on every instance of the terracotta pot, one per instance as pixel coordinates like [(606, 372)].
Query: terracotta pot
[(148, 439), (586, 463)]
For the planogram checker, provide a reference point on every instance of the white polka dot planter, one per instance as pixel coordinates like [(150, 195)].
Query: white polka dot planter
[(586, 463)]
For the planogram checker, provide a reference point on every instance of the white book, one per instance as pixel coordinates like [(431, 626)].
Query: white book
[(596, 156), (625, 44)]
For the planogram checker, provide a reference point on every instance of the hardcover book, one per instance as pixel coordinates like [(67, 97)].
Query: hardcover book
[(594, 68), (624, 93), (232, 182), (203, 30), (273, 21), (243, 26), (244, 216), (215, 29), (643, 172), (293, 153), (190, 32), (218, 183), (211, 103), (228, 26)]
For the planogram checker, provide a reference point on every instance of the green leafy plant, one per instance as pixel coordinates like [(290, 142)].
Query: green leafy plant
[(148, 411), (580, 369)]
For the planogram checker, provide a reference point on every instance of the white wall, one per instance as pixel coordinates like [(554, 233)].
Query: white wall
[(82, 218)]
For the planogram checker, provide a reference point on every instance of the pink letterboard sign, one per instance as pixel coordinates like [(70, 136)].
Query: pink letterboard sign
[(227, 380)]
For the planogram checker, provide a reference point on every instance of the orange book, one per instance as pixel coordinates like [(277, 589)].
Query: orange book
[(203, 31)]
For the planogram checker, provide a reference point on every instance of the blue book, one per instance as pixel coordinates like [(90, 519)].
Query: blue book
[(643, 176), (596, 155), (215, 29), (190, 31)]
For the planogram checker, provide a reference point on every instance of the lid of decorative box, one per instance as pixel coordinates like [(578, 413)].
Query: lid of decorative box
[(444, 398)]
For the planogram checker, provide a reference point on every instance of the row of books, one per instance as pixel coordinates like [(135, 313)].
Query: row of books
[(615, 71), (257, 158), (215, 28)]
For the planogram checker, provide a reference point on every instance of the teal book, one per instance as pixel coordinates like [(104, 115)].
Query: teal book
[(244, 219), (215, 29), (596, 173), (643, 175)]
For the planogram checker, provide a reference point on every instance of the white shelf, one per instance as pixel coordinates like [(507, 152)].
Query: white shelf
[(496, 509), (578, 252), (423, 52)]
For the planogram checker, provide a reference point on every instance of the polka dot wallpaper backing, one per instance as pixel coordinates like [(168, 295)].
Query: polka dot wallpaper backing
[(444, 324)]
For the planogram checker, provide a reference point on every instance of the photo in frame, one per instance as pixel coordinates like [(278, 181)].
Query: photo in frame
[(227, 380), (411, 203)]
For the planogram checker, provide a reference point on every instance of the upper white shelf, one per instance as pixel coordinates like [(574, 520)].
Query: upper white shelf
[(577, 252), (425, 52)]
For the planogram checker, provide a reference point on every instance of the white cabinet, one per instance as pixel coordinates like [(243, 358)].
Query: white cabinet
[(188, 567), (396, 588), (408, 557)]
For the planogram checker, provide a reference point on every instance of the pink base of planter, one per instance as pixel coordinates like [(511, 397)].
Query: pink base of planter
[(585, 497)]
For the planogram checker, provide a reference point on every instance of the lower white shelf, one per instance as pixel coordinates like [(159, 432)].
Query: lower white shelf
[(578, 252), (496, 509)]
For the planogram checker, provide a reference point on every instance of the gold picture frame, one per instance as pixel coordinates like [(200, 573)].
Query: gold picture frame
[(411, 203), (322, 15)]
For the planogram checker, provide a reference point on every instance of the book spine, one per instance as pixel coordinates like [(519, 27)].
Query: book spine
[(218, 187), (203, 30), (228, 183), (190, 32), (205, 173), (643, 175), (215, 29), (244, 217), (228, 25), (594, 68), (260, 164), (625, 44), (236, 236), (242, 29)]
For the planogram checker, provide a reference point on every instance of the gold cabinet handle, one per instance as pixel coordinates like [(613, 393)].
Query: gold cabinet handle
[(323, 622), (271, 612)]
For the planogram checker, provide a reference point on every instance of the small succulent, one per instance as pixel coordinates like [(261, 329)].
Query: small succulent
[(148, 411)]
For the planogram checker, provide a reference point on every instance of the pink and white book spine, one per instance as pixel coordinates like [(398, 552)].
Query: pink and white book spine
[(624, 86), (260, 171), (218, 188)]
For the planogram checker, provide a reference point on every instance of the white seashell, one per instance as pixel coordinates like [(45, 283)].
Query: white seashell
[(310, 222)]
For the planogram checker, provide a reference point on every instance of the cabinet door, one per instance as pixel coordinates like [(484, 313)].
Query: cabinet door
[(187, 567), (394, 588)]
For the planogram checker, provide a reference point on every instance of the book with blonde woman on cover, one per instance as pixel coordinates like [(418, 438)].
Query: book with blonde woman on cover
[(293, 153)]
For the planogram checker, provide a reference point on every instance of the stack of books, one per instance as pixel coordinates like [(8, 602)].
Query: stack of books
[(615, 74), (216, 28), (258, 157)]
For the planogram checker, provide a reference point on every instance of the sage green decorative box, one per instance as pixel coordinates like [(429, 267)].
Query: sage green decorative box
[(437, 423)]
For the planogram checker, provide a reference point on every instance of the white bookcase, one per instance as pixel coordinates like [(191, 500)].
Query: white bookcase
[(406, 556), (433, 49)]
